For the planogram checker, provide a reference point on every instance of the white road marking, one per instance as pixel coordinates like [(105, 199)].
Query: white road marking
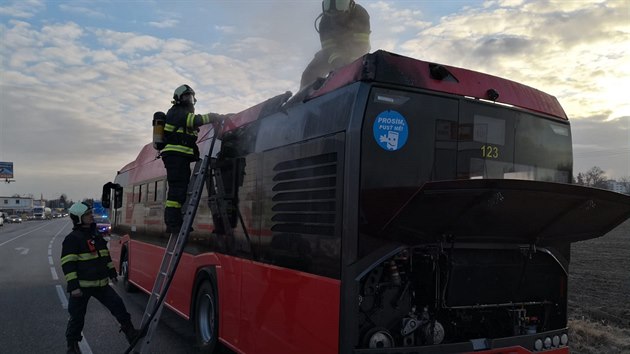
[(24, 234), (50, 260), (53, 271), (85, 347), (22, 250), (83, 344), (62, 296)]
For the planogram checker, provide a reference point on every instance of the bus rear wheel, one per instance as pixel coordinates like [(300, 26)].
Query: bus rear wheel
[(206, 317)]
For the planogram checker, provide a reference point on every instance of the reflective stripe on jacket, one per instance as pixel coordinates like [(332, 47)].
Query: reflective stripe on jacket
[(180, 132), (85, 260)]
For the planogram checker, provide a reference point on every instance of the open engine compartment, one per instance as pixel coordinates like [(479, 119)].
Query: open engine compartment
[(431, 294)]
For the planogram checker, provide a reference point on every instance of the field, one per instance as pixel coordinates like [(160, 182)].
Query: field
[(599, 294)]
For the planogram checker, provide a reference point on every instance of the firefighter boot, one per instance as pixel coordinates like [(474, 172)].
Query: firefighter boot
[(73, 348), (130, 332), (173, 219)]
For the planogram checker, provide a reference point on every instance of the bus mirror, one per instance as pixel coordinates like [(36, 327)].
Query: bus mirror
[(106, 195), (118, 196)]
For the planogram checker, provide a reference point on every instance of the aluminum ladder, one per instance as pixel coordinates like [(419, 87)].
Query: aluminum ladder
[(173, 252)]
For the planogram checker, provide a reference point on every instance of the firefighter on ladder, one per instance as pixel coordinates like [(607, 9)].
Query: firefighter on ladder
[(180, 135), (88, 269), (344, 33)]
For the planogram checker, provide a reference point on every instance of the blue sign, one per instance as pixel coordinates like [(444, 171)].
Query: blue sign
[(6, 169), (390, 130)]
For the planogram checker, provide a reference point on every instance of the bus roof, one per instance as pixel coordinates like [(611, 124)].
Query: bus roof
[(389, 68)]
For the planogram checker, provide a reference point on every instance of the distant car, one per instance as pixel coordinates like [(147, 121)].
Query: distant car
[(103, 226), (14, 219)]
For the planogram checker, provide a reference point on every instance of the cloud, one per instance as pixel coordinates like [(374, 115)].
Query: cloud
[(21, 35), (225, 29), (127, 43), (85, 11), (86, 94), (576, 53), (604, 143), (390, 25), (22, 8), (91, 109), (170, 23)]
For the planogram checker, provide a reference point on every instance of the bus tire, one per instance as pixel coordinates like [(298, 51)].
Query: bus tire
[(206, 317), (124, 271)]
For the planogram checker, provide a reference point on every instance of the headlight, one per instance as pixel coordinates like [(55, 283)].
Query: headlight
[(555, 341), (564, 339), (547, 343), (538, 345)]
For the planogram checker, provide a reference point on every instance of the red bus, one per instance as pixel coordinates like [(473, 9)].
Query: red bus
[(398, 206)]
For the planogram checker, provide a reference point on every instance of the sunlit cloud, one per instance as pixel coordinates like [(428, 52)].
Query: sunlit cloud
[(549, 48), (92, 90)]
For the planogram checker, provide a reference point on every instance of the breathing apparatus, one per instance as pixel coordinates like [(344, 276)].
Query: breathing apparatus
[(159, 121)]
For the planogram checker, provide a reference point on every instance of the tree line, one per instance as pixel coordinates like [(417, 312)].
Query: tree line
[(596, 177)]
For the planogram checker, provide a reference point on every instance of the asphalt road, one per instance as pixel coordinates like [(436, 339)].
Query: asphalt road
[(33, 300)]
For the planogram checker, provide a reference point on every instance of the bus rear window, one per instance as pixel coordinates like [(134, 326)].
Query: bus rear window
[(501, 143), (489, 130)]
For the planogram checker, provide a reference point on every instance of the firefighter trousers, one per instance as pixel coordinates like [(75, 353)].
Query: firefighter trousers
[(178, 176), (77, 306)]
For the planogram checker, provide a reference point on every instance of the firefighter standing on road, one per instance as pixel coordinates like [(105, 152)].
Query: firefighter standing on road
[(180, 135), (344, 33), (88, 268)]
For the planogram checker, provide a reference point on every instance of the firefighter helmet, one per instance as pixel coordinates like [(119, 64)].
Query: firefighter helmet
[(335, 7), (77, 210), (178, 95)]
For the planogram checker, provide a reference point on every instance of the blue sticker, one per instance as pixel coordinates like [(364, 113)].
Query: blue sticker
[(390, 130)]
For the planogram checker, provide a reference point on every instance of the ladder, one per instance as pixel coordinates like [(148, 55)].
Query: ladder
[(175, 247)]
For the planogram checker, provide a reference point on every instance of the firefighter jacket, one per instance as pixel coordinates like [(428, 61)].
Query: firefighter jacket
[(180, 130), (85, 259), (345, 36)]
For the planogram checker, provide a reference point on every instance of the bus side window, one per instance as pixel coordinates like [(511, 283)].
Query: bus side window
[(160, 190), (136, 194), (151, 187)]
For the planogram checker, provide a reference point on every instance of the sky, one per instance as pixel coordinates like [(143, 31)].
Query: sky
[(80, 80)]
